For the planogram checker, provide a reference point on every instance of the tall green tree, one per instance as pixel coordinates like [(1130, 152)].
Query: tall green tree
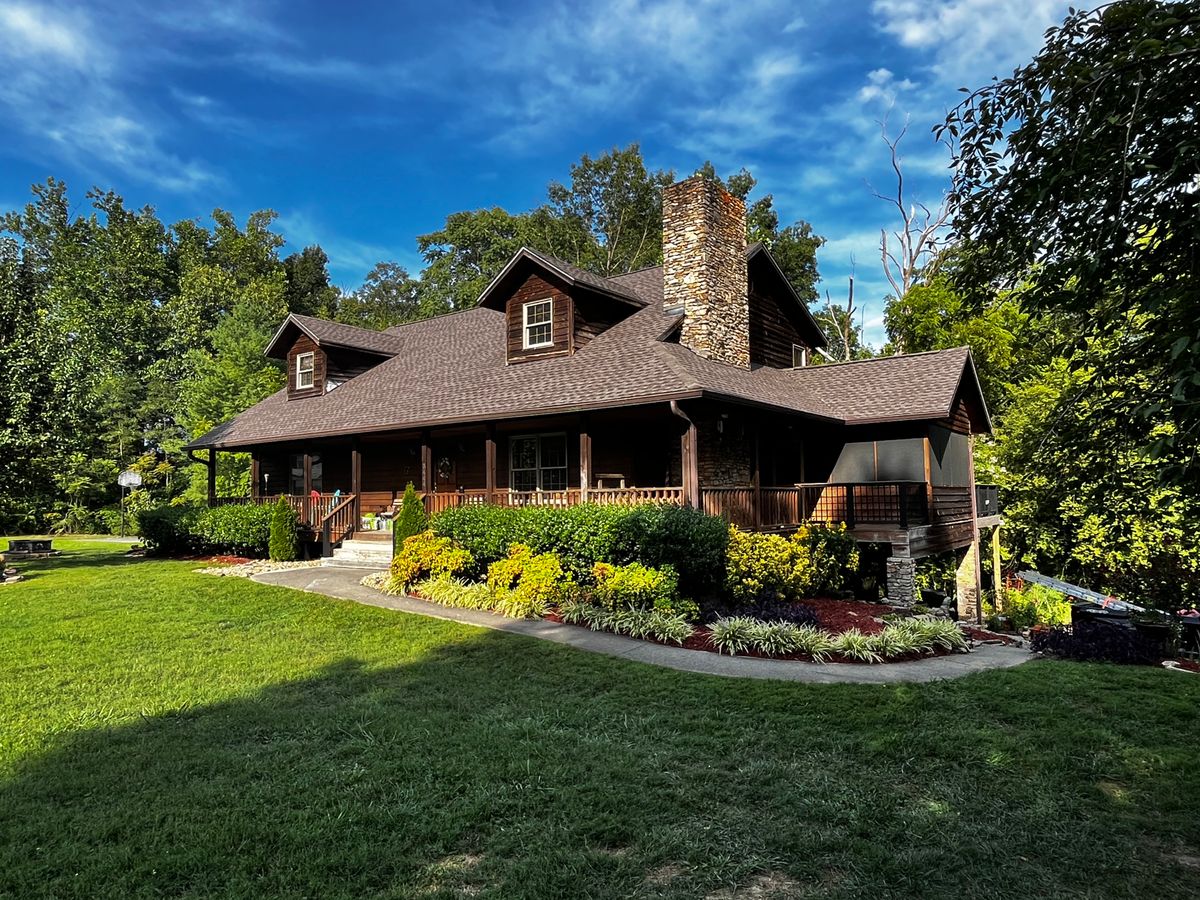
[(308, 289), (1079, 173), (389, 296)]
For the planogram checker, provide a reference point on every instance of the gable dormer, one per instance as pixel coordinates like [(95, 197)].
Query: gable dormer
[(320, 355), (553, 308), (783, 333)]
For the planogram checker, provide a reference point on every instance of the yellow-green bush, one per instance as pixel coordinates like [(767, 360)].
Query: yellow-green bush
[(426, 555), (1037, 605), (765, 567), (527, 584), (635, 586), (759, 566)]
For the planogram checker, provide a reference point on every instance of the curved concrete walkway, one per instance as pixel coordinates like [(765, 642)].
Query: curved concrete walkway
[(343, 584)]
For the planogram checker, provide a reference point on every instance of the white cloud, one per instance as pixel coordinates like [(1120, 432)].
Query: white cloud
[(966, 37), (30, 31), (349, 257), (61, 92)]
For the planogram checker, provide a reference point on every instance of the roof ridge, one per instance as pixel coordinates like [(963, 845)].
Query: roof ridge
[(876, 359)]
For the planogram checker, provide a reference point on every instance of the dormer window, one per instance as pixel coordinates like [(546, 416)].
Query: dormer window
[(306, 364), (537, 320), (799, 356)]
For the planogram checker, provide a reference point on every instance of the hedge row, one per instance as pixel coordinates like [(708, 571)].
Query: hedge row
[(244, 530), (654, 535)]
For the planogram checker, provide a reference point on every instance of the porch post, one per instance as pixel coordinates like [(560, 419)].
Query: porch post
[(306, 500), (756, 476), (690, 452), (585, 460), (212, 476), (426, 463), (975, 564), (489, 459), (255, 476), (356, 481)]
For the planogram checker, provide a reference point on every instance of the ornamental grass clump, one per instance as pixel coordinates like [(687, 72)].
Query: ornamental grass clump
[(657, 624), (853, 644), (456, 592), (734, 634)]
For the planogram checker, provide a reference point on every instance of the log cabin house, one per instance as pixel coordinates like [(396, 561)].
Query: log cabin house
[(689, 382)]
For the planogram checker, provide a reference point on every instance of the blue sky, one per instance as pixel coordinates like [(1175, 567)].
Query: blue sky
[(365, 124)]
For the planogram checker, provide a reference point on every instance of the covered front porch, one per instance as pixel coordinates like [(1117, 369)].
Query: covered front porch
[(757, 469)]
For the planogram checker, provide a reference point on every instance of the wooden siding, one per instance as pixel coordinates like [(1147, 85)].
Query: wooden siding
[(305, 344), (536, 288), (773, 331), (344, 364), (593, 315)]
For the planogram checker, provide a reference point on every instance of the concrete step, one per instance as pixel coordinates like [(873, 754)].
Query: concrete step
[(360, 554), (374, 537)]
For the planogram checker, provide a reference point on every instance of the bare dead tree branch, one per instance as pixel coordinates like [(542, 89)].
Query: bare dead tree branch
[(921, 235)]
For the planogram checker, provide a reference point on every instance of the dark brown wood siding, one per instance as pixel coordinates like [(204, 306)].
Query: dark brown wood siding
[(594, 315), (537, 288), (305, 344), (344, 364), (773, 330)]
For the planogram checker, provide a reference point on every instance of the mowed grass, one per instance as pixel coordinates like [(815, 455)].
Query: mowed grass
[(170, 734)]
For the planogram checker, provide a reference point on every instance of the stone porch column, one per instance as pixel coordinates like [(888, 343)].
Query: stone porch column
[(901, 580), (966, 584)]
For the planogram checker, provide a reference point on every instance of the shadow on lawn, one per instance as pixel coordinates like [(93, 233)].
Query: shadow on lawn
[(490, 761)]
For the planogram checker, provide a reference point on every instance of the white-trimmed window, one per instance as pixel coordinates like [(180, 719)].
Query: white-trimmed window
[(306, 366), (537, 319), (799, 356), (538, 462)]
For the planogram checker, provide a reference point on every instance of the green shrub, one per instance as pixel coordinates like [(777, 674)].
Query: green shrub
[(1037, 605), (411, 520), (426, 555), (635, 586), (760, 567), (581, 536), (244, 529), (663, 534), (526, 584), (826, 555), (284, 538), (166, 530)]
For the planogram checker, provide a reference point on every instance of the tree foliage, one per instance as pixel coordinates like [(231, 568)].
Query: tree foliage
[(1079, 174)]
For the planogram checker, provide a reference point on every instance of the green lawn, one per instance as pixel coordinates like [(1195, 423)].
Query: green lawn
[(170, 734)]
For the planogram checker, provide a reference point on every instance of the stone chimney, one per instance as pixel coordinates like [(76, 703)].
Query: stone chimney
[(704, 268)]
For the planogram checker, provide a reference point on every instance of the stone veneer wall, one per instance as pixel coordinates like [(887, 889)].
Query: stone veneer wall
[(725, 455), (704, 268)]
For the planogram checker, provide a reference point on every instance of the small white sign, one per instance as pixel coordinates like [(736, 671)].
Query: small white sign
[(129, 479)]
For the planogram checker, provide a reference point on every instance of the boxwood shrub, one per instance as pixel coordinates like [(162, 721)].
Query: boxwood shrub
[(581, 536), (244, 529), (167, 530)]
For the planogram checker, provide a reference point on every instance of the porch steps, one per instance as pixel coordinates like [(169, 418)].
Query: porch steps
[(357, 553)]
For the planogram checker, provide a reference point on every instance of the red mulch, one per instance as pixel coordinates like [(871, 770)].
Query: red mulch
[(977, 634), (837, 616), (224, 560), (1190, 664)]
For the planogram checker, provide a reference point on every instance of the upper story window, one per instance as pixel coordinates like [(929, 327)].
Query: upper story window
[(306, 364), (799, 356), (537, 321)]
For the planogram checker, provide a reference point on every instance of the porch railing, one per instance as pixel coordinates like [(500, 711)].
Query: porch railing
[(440, 500), (338, 524), (309, 510), (899, 504)]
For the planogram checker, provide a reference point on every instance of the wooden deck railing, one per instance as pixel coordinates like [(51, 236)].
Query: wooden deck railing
[(898, 504), (440, 500), (338, 524)]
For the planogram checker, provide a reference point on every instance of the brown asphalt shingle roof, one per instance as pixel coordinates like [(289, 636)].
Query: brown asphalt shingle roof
[(336, 334), (452, 368)]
